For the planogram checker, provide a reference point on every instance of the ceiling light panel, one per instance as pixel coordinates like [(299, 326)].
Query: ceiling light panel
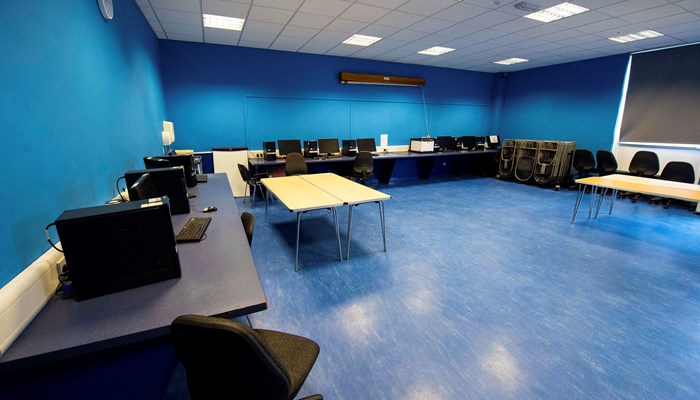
[(436, 51), (554, 13), (361, 40), (511, 61), (648, 34), (221, 22)]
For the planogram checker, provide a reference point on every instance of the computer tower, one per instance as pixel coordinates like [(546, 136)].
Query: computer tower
[(310, 148), (480, 142), (168, 182), (350, 148), (111, 248), (269, 151)]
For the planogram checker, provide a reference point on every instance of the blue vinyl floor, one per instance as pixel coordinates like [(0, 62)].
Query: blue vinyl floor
[(487, 291)]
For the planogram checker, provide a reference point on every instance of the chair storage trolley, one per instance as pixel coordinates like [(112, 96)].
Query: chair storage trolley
[(525, 152), (545, 162), (507, 159)]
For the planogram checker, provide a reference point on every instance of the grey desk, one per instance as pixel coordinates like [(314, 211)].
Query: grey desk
[(218, 278), (384, 161)]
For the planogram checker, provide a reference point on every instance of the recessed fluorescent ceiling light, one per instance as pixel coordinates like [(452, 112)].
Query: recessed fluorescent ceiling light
[(362, 40), (436, 51), (511, 61), (636, 36), (221, 22), (559, 11)]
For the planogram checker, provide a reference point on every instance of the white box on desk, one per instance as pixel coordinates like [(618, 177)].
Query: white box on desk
[(422, 145)]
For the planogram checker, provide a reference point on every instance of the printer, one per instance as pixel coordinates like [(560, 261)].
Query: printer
[(422, 145)]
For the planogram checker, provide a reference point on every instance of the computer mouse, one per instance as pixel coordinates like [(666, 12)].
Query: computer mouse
[(209, 209)]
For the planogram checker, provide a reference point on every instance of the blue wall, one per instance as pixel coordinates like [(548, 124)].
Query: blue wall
[(81, 102), (219, 96), (573, 102)]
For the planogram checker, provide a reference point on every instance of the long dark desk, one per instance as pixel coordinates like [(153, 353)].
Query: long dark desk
[(218, 278), (384, 161)]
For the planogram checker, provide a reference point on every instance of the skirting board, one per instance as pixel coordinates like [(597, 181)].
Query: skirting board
[(24, 296)]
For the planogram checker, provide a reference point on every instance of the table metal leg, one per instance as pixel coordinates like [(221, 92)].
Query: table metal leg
[(296, 258), (347, 255), (381, 216), (267, 193), (337, 232), (578, 201), (603, 193), (594, 190), (612, 200)]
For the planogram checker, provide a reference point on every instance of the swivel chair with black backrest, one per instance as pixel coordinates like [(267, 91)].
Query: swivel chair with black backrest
[(252, 181), (677, 171), (645, 164), (295, 164), (606, 162), (584, 164), (227, 359), (248, 221), (363, 165)]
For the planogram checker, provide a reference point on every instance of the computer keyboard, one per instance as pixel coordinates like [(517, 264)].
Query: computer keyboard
[(194, 230)]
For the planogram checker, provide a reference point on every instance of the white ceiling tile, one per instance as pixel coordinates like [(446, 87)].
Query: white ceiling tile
[(192, 6), (346, 26), (253, 44), (582, 38), (182, 29), (580, 19), (459, 30), (310, 20), (178, 17), (612, 23), (674, 22), (691, 5), (222, 40), (381, 31), (651, 14), (460, 43), (491, 18), (399, 19), (155, 25), (225, 8), (221, 34), (388, 4), (426, 8), (342, 50), (485, 34), (299, 32), (542, 30), (284, 47), (258, 37), (148, 13), (262, 27), (364, 13), (185, 38), (461, 12), (313, 50), (272, 15), (407, 35), (630, 6), (388, 44), (688, 36), (369, 52), (329, 8), (431, 25), (291, 5), (288, 41), (143, 3)]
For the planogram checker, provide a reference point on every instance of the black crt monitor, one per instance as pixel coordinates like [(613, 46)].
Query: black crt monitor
[(468, 142), (155, 162), (167, 181), (143, 188), (185, 161), (328, 146), (366, 144), (493, 140), (287, 146)]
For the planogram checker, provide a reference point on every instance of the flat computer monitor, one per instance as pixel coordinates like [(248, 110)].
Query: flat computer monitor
[(287, 146), (468, 142), (447, 143), (328, 146), (186, 161), (143, 188), (366, 144)]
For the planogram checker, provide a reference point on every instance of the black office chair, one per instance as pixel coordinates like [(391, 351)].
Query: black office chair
[(295, 164), (584, 164), (677, 171), (645, 164), (363, 165), (606, 162), (248, 221), (227, 359), (252, 182)]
